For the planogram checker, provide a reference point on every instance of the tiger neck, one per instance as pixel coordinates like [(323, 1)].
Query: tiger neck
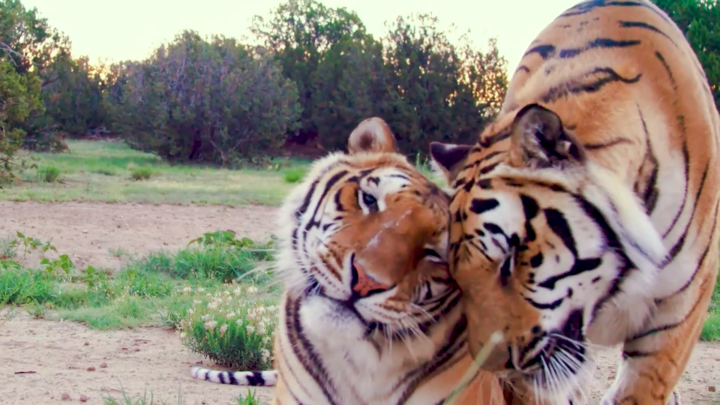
[(359, 369)]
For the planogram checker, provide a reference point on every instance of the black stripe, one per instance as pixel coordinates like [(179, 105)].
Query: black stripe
[(255, 379), (455, 342), (607, 75), (651, 193), (699, 265), (612, 244), (330, 183), (559, 225), (644, 25), (634, 354), (487, 169), (597, 43), (668, 326), (545, 51), (679, 244), (306, 202), (589, 6), (311, 362), (618, 141), (232, 379), (580, 266), (221, 377), (491, 140), (479, 205), (530, 209), (551, 306)]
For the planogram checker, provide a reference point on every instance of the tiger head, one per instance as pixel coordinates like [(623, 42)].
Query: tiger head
[(365, 235), (546, 246)]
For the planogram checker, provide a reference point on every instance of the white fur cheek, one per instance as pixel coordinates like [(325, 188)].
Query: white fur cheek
[(331, 327)]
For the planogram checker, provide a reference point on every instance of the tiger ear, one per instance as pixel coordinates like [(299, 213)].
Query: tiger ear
[(539, 140), (447, 158), (372, 135)]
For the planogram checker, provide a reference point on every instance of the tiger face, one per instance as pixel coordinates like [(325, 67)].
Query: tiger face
[(366, 241), (539, 236)]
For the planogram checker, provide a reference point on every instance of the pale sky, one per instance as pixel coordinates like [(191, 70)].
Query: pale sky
[(130, 29)]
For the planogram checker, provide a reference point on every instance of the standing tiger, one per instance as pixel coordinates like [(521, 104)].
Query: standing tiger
[(586, 214), (369, 313)]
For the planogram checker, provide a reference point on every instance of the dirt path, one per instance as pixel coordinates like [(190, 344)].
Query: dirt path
[(87, 231), (153, 359)]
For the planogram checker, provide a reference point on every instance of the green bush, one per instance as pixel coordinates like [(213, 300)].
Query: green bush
[(141, 173), (294, 175), (22, 286), (232, 327), (50, 174)]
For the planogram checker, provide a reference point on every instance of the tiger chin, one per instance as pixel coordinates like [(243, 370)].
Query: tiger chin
[(369, 312), (586, 214)]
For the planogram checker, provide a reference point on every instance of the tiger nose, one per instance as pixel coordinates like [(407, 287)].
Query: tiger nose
[(363, 285)]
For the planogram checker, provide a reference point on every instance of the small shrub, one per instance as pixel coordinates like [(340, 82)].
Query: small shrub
[(8, 248), (232, 327), (51, 174), (218, 256), (141, 173), (294, 175), (249, 399), (23, 286)]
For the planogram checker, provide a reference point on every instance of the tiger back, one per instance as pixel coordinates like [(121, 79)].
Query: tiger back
[(369, 313), (586, 214)]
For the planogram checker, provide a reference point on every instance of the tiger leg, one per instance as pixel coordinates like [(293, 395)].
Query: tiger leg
[(655, 358)]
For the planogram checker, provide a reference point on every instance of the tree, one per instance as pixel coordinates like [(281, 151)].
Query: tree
[(19, 96), (700, 22), (74, 101), (439, 91), (214, 101), (299, 33), (349, 85), (31, 47)]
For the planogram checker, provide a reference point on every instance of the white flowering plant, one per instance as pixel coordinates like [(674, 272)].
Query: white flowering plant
[(233, 327)]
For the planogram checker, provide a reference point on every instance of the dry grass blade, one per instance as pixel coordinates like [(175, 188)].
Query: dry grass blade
[(472, 371)]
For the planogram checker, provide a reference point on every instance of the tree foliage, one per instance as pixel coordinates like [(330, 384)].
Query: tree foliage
[(700, 22), (201, 100), (299, 33), (440, 91), (315, 75)]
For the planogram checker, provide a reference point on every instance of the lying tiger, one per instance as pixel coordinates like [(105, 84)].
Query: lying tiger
[(369, 314), (587, 212)]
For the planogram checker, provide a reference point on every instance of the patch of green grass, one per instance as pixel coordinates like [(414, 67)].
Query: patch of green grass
[(294, 175), (141, 173), (102, 171), (7, 248), (711, 328), (50, 174), (23, 286), (249, 399)]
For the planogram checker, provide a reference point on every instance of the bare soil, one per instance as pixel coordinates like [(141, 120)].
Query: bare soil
[(68, 358)]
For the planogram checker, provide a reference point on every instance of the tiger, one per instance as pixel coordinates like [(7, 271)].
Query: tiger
[(368, 312), (585, 215)]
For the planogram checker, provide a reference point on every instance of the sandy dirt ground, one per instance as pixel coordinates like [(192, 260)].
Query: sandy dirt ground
[(88, 231), (68, 358)]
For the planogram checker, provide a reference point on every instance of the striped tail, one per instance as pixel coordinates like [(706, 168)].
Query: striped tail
[(253, 378)]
